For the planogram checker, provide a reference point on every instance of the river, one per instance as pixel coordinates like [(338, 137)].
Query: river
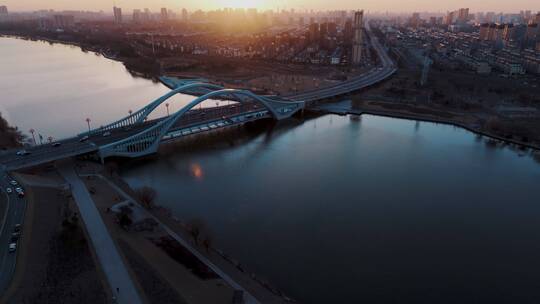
[(330, 209)]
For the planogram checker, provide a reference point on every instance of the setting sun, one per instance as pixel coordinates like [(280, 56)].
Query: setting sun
[(258, 4)]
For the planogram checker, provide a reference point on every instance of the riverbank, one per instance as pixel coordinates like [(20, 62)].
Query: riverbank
[(10, 137), (467, 122), (110, 191)]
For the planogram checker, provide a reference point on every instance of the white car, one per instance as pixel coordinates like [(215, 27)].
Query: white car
[(13, 182), (106, 134), (84, 138), (22, 153), (18, 190), (8, 190), (12, 247)]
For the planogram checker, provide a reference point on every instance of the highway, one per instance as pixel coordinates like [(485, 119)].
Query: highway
[(373, 76), (16, 208)]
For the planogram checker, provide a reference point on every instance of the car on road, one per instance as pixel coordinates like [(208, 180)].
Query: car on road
[(227, 119), (16, 234), (9, 191), (106, 134), (12, 247), (84, 138), (22, 153), (13, 183), (56, 144), (17, 228), (19, 189)]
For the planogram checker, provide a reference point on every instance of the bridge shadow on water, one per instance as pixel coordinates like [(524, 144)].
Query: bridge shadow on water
[(265, 130)]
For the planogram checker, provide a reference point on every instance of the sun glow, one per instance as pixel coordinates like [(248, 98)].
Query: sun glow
[(258, 4)]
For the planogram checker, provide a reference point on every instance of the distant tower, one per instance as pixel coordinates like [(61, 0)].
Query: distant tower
[(358, 26), (164, 14), (117, 14), (425, 70), (184, 14)]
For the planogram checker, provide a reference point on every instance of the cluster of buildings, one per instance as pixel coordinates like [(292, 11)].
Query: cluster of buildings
[(469, 50), (528, 35), (3, 13), (482, 42), (321, 41), (288, 36)]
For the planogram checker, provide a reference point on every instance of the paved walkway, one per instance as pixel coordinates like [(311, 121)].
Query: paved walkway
[(112, 264)]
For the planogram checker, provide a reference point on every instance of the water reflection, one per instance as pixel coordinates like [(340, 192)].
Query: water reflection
[(196, 171), (341, 214)]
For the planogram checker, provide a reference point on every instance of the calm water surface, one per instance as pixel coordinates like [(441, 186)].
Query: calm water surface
[(54, 88), (379, 210), (331, 209)]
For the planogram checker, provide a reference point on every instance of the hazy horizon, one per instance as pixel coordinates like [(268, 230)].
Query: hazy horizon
[(299, 5)]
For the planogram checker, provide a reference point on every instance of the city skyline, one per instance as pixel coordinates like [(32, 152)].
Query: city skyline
[(299, 5)]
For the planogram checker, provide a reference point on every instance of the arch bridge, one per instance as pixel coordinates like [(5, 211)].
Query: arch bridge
[(135, 135)]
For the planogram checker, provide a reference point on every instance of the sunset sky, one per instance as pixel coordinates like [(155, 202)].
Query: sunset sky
[(374, 5)]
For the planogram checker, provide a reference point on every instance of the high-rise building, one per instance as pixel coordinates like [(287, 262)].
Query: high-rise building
[(146, 15), (415, 20), (64, 21), (348, 32), (117, 14), (136, 15), (508, 32), (323, 29), (532, 34), (484, 31), (358, 26), (3, 13), (184, 14), (450, 16), (164, 14), (463, 15), (314, 31)]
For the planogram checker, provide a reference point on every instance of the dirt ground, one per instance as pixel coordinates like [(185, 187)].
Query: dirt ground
[(268, 78), (56, 263)]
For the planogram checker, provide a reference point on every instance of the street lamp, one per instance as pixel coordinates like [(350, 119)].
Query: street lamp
[(88, 122), (32, 131)]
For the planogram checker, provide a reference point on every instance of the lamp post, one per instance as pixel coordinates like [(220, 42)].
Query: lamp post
[(32, 131), (88, 122)]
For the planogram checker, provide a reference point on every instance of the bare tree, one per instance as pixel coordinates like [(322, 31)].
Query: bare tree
[(111, 167), (146, 196), (196, 227)]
